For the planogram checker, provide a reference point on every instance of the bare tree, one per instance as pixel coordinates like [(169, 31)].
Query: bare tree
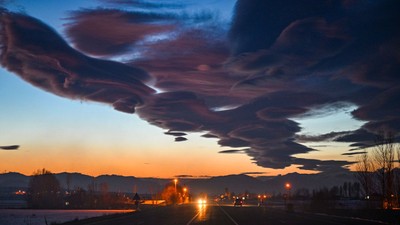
[(398, 154), (364, 174), (384, 154), (397, 176)]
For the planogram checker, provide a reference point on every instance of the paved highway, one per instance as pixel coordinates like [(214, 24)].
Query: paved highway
[(213, 214)]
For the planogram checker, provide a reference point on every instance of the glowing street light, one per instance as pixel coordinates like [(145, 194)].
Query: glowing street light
[(288, 186), (185, 197), (289, 206), (175, 181)]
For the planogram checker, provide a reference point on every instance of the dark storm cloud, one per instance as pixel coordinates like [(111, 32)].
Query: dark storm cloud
[(353, 153), (142, 4), (323, 165), (344, 47), (274, 16), (111, 31), (10, 147), (192, 61), (178, 111), (209, 136), (277, 154), (178, 134), (108, 32), (383, 110), (232, 151), (46, 61), (179, 139), (359, 136), (243, 83)]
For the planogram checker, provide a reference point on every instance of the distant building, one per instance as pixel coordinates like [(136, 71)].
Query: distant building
[(12, 198)]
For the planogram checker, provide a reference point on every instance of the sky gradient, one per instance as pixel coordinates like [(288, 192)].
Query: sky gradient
[(196, 88)]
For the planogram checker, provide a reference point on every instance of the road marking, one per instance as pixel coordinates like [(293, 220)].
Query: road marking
[(194, 217), (108, 220), (228, 216)]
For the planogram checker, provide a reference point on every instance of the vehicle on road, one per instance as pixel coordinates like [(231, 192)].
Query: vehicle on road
[(238, 202), (202, 201)]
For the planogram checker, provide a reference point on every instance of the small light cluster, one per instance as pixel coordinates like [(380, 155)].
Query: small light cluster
[(20, 192)]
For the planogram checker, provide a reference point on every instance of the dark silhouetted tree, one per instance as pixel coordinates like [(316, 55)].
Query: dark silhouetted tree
[(365, 173), (381, 178), (44, 190), (397, 175), (384, 154)]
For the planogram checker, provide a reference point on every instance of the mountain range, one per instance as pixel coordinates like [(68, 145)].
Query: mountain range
[(213, 185)]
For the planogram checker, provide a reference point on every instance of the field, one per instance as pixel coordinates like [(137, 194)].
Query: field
[(40, 217)]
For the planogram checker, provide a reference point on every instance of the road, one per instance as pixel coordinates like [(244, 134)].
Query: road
[(214, 214)]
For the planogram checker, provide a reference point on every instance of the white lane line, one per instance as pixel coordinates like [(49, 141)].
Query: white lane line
[(194, 217), (228, 216)]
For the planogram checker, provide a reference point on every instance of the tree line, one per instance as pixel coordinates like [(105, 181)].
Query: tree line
[(378, 170), (45, 192)]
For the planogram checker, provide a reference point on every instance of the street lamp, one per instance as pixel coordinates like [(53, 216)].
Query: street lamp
[(184, 194), (184, 191), (175, 181), (288, 186), (289, 206)]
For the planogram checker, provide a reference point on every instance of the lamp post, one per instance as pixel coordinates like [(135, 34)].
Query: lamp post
[(289, 206), (288, 186), (175, 181), (184, 194), (184, 191)]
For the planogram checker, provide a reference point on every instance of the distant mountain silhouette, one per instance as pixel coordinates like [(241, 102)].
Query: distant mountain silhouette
[(13, 179), (309, 181), (213, 185), (115, 183), (235, 183)]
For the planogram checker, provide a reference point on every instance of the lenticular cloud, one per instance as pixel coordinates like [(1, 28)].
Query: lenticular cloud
[(239, 82)]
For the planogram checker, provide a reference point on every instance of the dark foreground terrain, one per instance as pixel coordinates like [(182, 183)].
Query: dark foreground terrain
[(228, 215)]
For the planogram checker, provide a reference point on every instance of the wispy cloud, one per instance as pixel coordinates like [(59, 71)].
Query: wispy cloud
[(9, 147)]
